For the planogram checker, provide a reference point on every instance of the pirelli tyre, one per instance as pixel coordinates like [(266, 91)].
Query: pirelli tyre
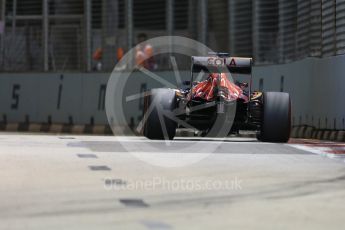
[(158, 119), (276, 117)]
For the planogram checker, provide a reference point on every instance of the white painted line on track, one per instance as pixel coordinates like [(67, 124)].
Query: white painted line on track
[(195, 141)]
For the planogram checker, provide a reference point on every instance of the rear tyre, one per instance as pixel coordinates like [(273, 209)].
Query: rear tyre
[(276, 120), (158, 125)]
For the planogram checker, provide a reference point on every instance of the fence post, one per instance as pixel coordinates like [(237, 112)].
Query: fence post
[(88, 33), (45, 25), (129, 21), (14, 20), (3, 18), (204, 24), (170, 26)]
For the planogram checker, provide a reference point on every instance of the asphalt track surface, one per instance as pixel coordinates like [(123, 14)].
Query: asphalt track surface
[(88, 182)]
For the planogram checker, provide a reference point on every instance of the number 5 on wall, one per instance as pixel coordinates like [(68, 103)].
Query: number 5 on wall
[(15, 97)]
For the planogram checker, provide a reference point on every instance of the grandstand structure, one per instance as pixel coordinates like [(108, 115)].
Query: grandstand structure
[(61, 35)]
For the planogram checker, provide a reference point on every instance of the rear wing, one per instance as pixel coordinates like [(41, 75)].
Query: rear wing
[(215, 64), (222, 63)]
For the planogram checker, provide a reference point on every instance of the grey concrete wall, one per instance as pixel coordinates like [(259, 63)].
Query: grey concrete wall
[(62, 98), (68, 97), (316, 86)]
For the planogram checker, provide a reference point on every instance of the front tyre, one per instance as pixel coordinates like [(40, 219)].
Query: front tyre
[(158, 113), (276, 117)]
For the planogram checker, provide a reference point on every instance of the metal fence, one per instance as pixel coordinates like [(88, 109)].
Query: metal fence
[(90, 35)]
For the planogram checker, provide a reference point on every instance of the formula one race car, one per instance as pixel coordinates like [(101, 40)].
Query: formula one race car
[(217, 106)]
